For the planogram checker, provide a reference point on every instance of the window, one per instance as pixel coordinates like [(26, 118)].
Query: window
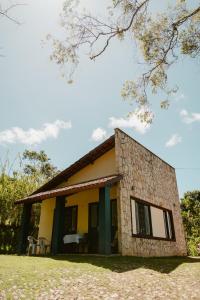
[(158, 222), (70, 225), (151, 221), (169, 228), (94, 215), (141, 218)]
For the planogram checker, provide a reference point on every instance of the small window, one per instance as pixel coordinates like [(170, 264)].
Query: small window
[(94, 215), (70, 225), (169, 228), (143, 219), (142, 224)]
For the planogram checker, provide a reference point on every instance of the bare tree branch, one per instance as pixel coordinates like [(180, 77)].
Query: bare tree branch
[(185, 18), (4, 13), (118, 31)]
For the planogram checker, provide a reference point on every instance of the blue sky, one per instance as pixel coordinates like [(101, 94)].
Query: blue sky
[(63, 117)]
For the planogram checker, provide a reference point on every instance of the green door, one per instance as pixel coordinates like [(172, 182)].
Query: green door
[(93, 222), (114, 226), (93, 230)]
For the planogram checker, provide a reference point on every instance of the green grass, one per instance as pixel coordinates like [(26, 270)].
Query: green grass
[(98, 277)]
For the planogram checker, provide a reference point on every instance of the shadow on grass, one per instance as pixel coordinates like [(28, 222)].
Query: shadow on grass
[(122, 264)]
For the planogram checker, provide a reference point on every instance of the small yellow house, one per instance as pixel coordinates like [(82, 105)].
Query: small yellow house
[(118, 198)]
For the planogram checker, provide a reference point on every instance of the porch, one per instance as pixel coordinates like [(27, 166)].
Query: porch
[(79, 218)]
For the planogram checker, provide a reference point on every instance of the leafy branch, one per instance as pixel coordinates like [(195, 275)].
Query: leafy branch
[(161, 38)]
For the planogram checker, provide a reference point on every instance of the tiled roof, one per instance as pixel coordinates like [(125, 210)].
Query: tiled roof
[(72, 189)]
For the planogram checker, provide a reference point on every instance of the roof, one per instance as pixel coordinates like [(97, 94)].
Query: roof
[(87, 159), (72, 189)]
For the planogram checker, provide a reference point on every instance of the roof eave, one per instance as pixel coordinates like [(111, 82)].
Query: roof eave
[(73, 189)]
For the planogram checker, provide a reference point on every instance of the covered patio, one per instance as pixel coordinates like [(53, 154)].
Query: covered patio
[(62, 197)]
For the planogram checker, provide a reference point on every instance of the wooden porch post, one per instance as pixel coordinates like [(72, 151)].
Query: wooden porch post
[(24, 228), (104, 221), (56, 241)]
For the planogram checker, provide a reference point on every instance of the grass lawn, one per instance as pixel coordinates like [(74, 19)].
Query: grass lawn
[(96, 277)]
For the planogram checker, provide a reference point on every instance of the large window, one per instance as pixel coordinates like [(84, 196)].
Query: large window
[(70, 225), (151, 221)]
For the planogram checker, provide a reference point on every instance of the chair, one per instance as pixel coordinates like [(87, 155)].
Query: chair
[(83, 243), (43, 245), (31, 245)]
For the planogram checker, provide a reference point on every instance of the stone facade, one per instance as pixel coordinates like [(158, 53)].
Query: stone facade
[(146, 177)]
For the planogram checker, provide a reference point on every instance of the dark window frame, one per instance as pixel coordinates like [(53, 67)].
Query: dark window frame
[(167, 231), (71, 207), (149, 204), (89, 212), (139, 226)]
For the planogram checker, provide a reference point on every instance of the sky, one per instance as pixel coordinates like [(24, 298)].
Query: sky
[(40, 111)]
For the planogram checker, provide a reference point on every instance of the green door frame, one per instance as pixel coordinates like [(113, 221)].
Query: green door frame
[(104, 221), (58, 222), (93, 236), (24, 229)]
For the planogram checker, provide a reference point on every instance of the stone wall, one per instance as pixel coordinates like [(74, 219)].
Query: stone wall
[(147, 177)]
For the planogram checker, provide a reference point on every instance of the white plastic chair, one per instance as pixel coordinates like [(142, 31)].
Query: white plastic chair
[(43, 244), (31, 245)]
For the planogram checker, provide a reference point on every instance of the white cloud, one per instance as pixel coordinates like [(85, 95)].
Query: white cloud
[(174, 140), (98, 134), (130, 122), (33, 136), (189, 118)]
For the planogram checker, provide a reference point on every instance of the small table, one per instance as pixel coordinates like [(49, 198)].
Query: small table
[(72, 238)]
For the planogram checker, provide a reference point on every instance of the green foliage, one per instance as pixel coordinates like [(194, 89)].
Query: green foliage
[(190, 206), (192, 245), (8, 238), (33, 170), (38, 164)]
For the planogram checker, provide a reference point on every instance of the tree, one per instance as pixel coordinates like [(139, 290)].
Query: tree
[(160, 37), (190, 206), (34, 170), (38, 164), (30, 172)]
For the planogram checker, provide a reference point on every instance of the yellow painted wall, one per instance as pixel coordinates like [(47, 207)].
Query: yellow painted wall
[(81, 199), (103, 166), (46, 218)]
